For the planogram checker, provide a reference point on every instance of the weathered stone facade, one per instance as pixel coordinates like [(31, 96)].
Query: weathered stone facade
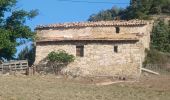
[(98, 41)]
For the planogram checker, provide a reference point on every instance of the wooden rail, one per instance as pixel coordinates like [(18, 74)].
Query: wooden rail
[(150, 71), (14, 66)]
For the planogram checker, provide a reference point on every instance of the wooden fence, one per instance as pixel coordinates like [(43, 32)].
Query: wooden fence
[(13, 66)]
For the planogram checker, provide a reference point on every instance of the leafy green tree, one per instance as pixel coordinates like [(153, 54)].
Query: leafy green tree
[(160, 6), (13, 27), (106, 15), (7, 48), (138, 9), (142, 9), (161, 37), (166, 7)]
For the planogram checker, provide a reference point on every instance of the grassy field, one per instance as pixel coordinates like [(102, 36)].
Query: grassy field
[(51, 88)]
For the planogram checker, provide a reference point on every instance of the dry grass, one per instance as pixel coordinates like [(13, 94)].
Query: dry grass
[(51, 88)]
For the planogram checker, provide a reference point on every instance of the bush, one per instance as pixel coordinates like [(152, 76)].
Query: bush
[(60, 56), (59, 59)]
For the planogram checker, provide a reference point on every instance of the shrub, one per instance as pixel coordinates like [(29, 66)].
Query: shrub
[(59, 59), (60, 56)]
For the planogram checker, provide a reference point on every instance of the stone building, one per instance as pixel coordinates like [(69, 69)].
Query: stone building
[(104, 48)]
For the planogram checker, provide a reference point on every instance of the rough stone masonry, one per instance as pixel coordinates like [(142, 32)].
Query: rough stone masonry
[(104, 48)]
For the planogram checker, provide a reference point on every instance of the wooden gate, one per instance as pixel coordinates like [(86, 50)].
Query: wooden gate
[(13, 66)]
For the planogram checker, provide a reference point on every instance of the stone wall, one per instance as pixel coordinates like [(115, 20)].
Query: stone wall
[(143, 30), (99, 58), (85, 31)]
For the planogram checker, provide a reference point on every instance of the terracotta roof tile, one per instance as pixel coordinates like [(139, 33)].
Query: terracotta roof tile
[(93, 24)]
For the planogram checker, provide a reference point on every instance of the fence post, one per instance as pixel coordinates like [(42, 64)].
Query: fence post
[(2, 68)]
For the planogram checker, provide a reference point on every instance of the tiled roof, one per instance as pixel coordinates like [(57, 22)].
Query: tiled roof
[(93, 24), (120, 37)]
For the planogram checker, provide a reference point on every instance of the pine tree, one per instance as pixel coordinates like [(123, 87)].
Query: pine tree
[(160, 37)]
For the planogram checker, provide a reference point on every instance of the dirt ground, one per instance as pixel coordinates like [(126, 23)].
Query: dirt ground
[(53, 88)]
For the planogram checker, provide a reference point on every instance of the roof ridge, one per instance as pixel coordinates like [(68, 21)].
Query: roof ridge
[(94, 23)]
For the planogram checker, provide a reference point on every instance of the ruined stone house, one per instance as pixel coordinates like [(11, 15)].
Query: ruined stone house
[(111, 48)]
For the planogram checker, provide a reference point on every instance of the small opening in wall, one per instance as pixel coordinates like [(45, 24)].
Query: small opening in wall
[(117, 30), (79, 51), (116, 49)]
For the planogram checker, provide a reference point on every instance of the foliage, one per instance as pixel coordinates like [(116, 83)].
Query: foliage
[(138, 9), (160, 6), (160, 38), (7, 47), (160, 45), (109, 14), (27, 54), (59, 59), (13, 27)]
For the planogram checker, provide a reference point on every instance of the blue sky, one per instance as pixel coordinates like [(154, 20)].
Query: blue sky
[(55, 11)]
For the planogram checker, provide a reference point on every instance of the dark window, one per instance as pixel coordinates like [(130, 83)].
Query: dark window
[(116, 49), (80, 51), (117, 29)]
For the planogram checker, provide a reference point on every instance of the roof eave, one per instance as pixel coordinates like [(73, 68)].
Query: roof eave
[(108, 40)]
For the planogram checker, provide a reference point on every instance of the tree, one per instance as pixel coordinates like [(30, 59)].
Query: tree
[(160, 6), (134, 3), (7, 48), (13, 27), (28, 54), (138, 9), (106, 15), (160, 39)]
